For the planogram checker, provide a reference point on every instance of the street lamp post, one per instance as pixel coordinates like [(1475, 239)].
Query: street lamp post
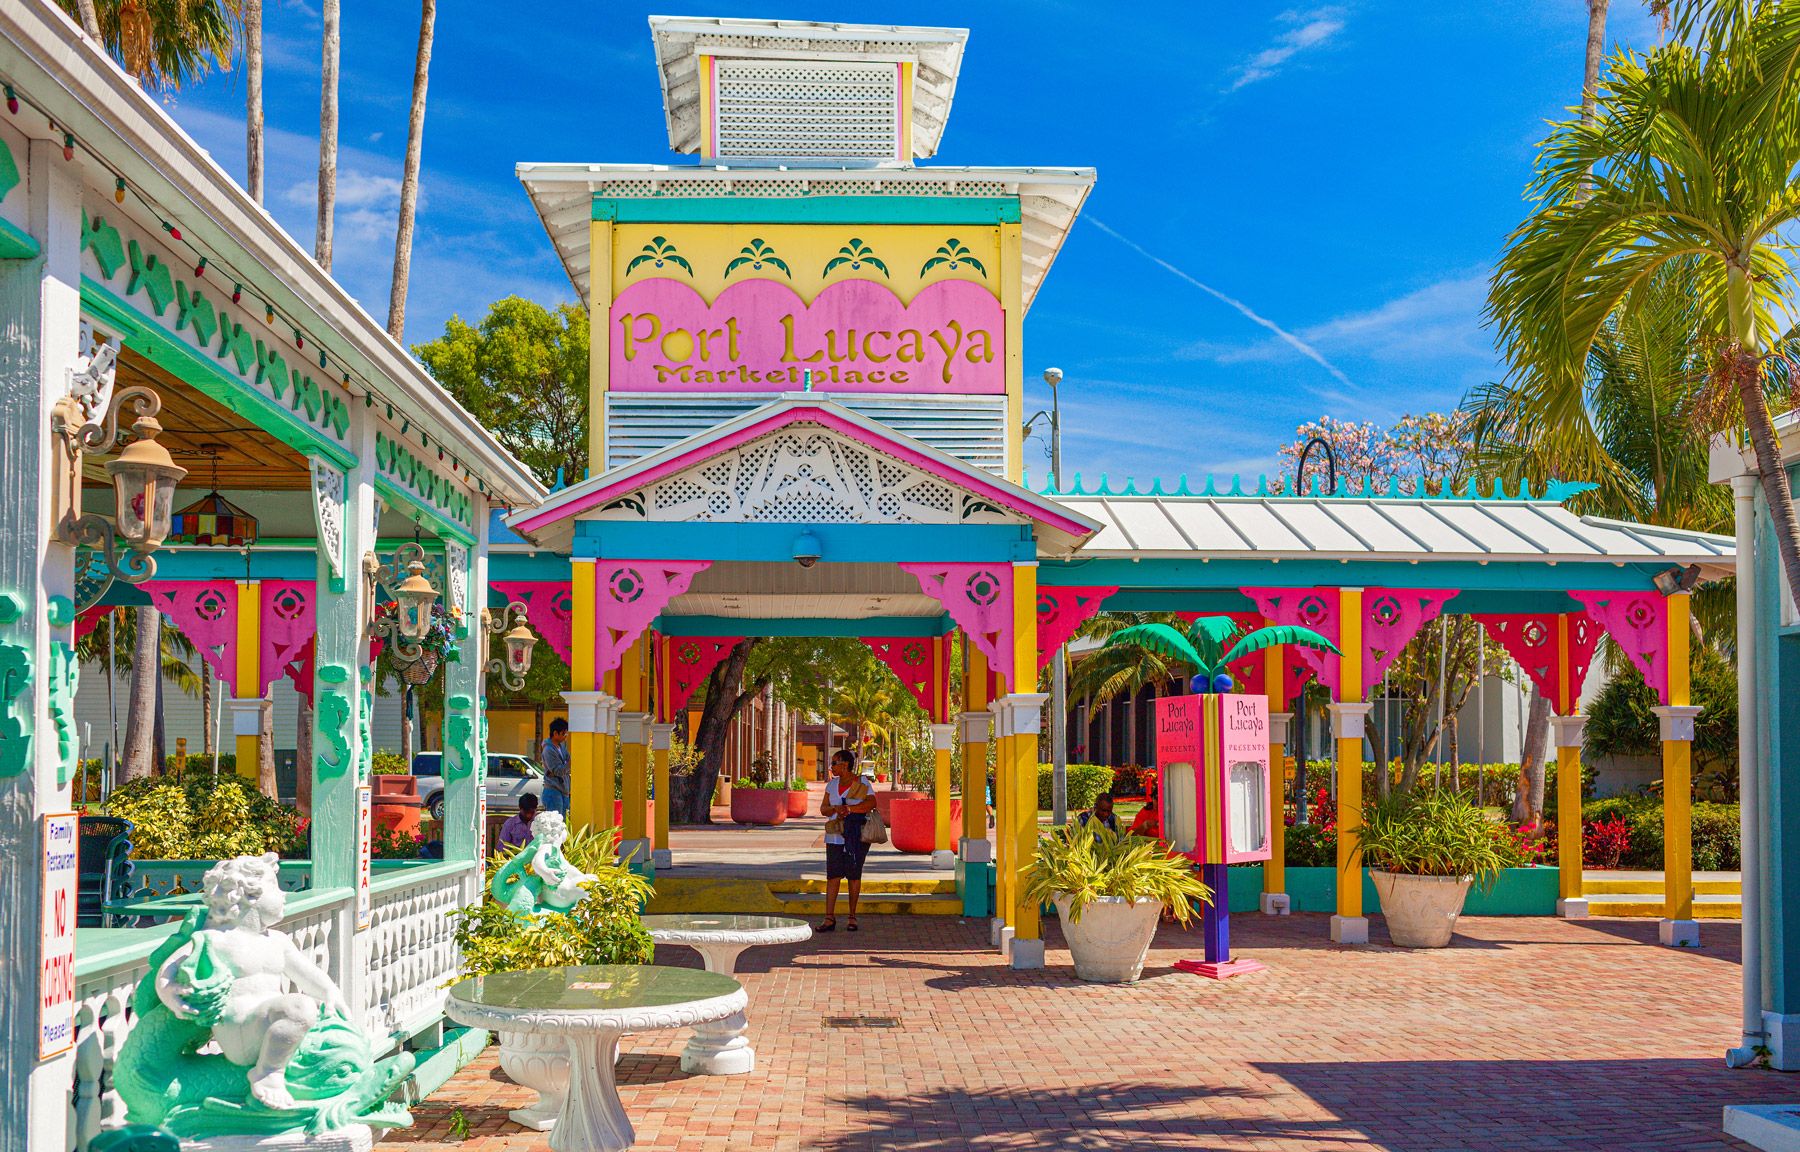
[(1059, 677)]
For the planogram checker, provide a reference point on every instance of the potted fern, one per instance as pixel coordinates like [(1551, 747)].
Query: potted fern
[(603, 929), (1424, 850), (1110, 890)]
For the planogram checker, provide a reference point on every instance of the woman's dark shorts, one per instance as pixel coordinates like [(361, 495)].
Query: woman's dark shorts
[(845, 861)]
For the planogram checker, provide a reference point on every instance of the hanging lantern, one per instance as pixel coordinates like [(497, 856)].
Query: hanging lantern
[(519, 643), (213, 520), (413, 600), (144, 479)]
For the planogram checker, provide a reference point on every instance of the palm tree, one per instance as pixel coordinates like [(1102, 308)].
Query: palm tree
[(1202, 646), (328, 133), (409, 180), (1687, 162), (141, 642), (868, 708), (253, 99), (1109, 673), (163, 43)]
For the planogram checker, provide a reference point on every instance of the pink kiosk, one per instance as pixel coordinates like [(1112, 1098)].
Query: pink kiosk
[(1212, 753)]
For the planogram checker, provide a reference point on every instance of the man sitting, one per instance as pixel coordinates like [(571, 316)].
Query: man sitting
[(516, 832), (1101, 814)]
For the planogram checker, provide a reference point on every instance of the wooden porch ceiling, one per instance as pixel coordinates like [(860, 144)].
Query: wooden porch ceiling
[(196, 428)]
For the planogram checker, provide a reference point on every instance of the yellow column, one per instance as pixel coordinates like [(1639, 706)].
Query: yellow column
[(974, 777), (660, 736), (1348, 718), (1567, 727), (600, 271), (1678, 928), (606, 750), (1024, 719), (945, 841), (1012, 288), (246, 708), (582, 696), (1274, 893)]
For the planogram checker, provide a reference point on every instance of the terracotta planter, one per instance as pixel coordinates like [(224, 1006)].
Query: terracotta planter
[(885, 797), (797, 800), (1421, 911), (1112, 938), (912, 822), (758, 806)]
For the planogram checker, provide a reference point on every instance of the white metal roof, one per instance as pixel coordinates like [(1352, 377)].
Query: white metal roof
[(680, 40), (1391, 528), (563, 194)]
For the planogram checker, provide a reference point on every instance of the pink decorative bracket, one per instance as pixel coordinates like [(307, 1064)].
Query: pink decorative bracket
[(300, 670), (287, 627), (628, 595), (1530, 638), (979, 597), (1060, 614), (683, 664), (550, 609), (91, 618), (1638, 622), (911, 658), (1391, 618), (206, 613)]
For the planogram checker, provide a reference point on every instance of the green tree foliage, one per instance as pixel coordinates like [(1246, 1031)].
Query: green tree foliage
[(195, 815), (180, 659), (524, 375), (1621, 723), (167, 44)]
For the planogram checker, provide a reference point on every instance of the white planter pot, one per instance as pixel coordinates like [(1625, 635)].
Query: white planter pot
[(1111, 939), (1421, 911), (540, 1062)]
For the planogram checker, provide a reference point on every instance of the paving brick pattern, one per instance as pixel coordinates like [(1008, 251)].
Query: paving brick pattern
[(1529, 1034)]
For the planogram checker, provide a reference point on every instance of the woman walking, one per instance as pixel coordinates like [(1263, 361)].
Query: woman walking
[(848, 802)]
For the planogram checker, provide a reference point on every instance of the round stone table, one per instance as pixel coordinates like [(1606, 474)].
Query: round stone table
[(721, 1049), (589, 1008)]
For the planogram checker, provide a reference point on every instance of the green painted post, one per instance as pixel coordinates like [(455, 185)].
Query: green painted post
[(465, 766), (40, 301)]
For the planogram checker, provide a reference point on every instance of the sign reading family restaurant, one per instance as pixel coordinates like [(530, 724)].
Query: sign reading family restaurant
[(760, 336)]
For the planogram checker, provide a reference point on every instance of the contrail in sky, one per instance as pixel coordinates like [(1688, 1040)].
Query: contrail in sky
[(1293, 341)]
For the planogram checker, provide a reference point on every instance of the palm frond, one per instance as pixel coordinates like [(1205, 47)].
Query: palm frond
[(1273, 634)]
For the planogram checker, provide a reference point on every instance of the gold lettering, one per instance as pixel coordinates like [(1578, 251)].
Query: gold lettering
[(632, 339), (869, 352), (950, 349), (831, 347), (788, 354), (731, 338), (912, 346), (982, 354)]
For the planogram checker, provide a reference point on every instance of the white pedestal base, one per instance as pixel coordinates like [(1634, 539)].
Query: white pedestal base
[(719, 1049), (995, 926), (539, 1062), (1678, 933), (1350, 929), (634, 850), (355, 1138), (660, 859), (944, 860), (593, 1118), (1275, 904), (1572, 908), (1026, 954), (1771, 1127), (975, 851), (1006, 941)]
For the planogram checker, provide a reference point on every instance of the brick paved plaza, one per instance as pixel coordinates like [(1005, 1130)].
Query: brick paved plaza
[(1529, 1034)]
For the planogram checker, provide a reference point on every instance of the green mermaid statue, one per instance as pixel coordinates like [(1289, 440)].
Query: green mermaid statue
[(539, 880)]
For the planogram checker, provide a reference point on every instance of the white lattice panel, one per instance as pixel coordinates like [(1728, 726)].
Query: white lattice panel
[(972, 429), (411, 955), (779, 109), (103, 1017)]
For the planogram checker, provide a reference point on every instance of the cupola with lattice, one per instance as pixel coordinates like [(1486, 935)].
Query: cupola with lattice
[(780, 91)]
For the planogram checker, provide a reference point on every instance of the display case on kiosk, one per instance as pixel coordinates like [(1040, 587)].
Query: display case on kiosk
[(1212, 753)]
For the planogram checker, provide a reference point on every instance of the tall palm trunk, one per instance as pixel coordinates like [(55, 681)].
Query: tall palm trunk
[(409, 180), (90, 19), (1529, 803), (328, 135), (1596, 51), (265, 751), (140, 717), (206, 725), (303, 771), (1747, 369), (253, 98)]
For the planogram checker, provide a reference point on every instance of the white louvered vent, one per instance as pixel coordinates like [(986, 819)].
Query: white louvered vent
[(971, 428), (787, 109)]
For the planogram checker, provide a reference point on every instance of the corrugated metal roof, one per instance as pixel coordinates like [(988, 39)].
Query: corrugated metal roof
[(1391, 528)]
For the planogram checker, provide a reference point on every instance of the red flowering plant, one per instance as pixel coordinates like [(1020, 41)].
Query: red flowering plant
[(1534, 841), (1603, 842)]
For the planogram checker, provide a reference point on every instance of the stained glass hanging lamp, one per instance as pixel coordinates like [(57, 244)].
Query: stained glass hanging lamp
[(212, 520)]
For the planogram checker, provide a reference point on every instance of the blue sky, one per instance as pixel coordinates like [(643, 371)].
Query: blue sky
[(1347, 172)]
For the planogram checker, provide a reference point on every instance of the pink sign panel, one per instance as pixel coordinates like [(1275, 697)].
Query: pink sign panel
[(760, 336), (1178, 730)]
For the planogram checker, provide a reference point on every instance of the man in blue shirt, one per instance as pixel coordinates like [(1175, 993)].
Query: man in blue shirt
[(554, 756)]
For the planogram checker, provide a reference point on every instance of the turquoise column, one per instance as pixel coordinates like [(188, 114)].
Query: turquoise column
[(465, 767)]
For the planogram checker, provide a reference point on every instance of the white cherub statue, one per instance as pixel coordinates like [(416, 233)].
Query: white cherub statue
[(540, 878), (232, 977)]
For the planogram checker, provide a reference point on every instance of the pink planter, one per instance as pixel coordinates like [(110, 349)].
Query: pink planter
[(758, 806), (797, 803), (912, 824), (649, 817), (885, 797)]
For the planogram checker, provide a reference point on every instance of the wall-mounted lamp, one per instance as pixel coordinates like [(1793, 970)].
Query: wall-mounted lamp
[(144, 476), (1672, 580), (806, 549), (519, 641), (413, 597)]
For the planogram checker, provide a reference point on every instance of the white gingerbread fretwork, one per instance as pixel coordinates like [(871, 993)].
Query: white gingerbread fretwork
[(328, 484)]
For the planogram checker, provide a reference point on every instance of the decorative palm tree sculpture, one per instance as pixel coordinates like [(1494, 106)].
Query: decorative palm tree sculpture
[(1202, 647)]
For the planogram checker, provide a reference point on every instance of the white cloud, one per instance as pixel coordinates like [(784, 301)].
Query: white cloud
[(1306, 29), (1433, 323)]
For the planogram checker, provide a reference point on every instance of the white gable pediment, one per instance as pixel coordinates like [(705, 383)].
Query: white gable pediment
[(805, 473)]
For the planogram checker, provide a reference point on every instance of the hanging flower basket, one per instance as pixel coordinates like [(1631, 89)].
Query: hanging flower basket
[(420, 671)]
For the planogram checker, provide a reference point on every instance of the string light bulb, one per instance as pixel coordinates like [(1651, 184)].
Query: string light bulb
[(200, 268), (12, 100), (268, 313), (174, 232), (299, 340), (68, 145), (119, 190), (237, 293)]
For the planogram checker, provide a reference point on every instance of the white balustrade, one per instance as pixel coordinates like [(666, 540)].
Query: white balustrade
[(409, 950)]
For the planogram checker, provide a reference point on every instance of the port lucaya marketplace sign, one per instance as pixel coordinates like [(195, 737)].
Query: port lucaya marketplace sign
[(762, 336)]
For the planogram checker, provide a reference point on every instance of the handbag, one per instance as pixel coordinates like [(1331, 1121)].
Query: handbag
[(874, 829)]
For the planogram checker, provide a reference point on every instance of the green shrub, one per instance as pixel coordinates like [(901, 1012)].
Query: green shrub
[(195, 815), (387, 762), (1425, 833), (1715, 835), (603, 929), (1085, 783), (1310, 846), (1083, 861), (1621, 723)]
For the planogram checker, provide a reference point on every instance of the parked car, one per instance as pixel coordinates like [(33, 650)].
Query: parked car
[(508, 778)]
